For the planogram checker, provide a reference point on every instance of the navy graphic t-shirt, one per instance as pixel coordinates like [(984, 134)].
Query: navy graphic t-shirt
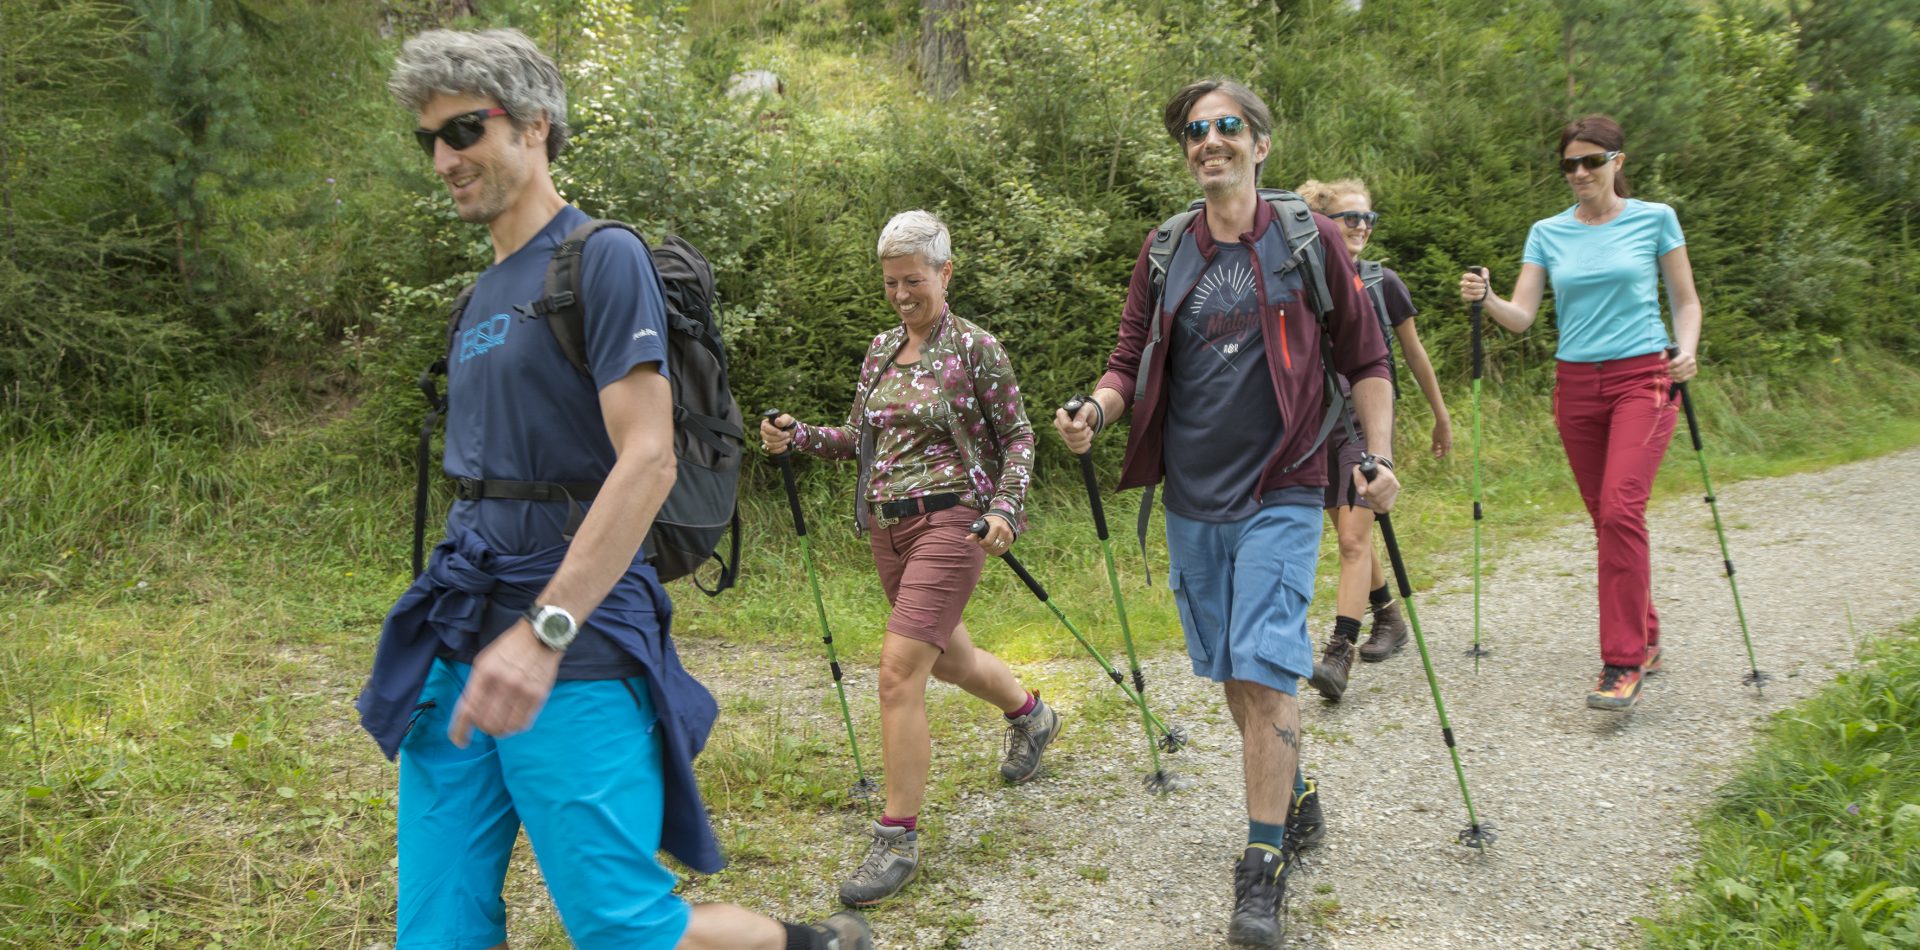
[(1223, 420), (517, 409)]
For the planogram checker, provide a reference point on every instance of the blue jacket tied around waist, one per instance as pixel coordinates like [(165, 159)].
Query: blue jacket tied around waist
[(447, 607)]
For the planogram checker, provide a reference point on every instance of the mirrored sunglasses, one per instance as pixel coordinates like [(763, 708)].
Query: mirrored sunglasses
[(1589, 162), (1229, 126)]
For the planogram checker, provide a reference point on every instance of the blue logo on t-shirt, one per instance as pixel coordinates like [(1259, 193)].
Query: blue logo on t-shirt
[(484, 336)]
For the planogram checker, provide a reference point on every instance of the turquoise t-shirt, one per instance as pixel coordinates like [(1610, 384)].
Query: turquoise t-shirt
[(1606, 279)]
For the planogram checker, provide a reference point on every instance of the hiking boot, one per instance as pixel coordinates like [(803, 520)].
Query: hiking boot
[(1306, 826), (1259, 898), (1330, 674), (1653, 662), (891, 860), (1027, 737), (1619, 688), (843, 931), (1389, 633)]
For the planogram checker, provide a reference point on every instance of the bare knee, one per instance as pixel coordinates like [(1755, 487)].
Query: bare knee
[(955, 666), (1356, 539), (900, 680)]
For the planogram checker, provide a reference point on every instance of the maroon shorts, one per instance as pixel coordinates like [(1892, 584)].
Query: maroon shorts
[(1342, 455), (928, 566)]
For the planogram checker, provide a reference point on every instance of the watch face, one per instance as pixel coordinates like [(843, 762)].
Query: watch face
[(554, 626)]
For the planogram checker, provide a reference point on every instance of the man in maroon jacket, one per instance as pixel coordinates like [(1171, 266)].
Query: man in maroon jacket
[(1226, 380)]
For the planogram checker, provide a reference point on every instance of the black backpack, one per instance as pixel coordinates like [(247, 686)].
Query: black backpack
[(707, 430)]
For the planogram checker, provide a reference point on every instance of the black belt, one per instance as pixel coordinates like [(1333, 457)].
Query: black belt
[(923, 505), (475, 489)]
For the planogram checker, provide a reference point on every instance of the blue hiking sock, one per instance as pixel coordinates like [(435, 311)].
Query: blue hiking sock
[(1259, 832), (1299, 784)]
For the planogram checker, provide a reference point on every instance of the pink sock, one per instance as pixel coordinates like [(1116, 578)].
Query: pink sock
[(1033, 699), (911, 822)]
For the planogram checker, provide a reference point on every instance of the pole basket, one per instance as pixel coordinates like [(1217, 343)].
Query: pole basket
[(1477, 651), (1478, 837), (1163, 782), (1174, 739), (1756, 679)]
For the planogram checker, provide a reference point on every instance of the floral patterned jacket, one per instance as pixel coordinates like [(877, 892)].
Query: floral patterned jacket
[(981, 403)]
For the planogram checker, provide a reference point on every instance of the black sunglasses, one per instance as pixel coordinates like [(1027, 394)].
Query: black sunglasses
[(1589, 162), (459, 132), (1229, 126), (1355, 219)]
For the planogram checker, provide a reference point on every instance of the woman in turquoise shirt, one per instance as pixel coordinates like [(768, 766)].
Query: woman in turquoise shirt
[(1612, 400)]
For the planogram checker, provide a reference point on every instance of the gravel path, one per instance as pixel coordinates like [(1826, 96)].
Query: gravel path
[(1593, 809)]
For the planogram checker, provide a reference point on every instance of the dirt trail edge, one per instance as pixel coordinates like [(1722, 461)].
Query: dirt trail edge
[(1594, 810)]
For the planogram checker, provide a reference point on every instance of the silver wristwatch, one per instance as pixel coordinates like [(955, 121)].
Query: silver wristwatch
[(552, 626)]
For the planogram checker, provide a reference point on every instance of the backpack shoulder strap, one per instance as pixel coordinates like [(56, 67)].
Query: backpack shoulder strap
[(1371, 272), (1303, 239), (436, 405), (1166, 240), (564, 305)]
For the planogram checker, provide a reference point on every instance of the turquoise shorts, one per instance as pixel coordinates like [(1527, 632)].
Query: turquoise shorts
[(1243, 588), (586, 783)]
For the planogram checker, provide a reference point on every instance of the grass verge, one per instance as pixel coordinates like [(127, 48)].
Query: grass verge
[(1817, 842)]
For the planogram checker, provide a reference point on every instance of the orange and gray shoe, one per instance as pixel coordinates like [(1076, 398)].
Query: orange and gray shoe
[(1618, 690), (1654, 662)]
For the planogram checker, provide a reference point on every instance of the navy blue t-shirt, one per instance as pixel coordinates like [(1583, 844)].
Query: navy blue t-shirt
[(1223, 421), (517, 409)]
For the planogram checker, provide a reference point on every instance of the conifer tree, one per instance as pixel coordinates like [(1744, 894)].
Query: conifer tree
[(199, 127)]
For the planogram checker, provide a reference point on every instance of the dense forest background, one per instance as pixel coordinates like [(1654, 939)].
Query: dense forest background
[(215, 228)]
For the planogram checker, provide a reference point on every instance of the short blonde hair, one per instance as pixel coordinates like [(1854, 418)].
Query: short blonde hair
[(916, 232), (1321, 195)]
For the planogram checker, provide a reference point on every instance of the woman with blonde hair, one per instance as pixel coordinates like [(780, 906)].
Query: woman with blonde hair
[(1347, 202), (942, 439)]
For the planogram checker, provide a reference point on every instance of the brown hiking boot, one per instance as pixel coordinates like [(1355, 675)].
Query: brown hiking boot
[(1330, 674), (1389, 633)]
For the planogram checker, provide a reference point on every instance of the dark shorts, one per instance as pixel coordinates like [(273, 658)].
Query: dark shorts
[(1342, 455), (928, 566)]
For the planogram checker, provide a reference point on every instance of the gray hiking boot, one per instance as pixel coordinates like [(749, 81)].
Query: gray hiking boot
[(1389, 633), (891, 861), (844, 931), (1027, 737), (1259, 899)]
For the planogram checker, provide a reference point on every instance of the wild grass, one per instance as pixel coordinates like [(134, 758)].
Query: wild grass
[(187, 620), (1817, 842)]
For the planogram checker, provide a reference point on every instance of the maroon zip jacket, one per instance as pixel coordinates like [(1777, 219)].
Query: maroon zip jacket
[(1293, 351)]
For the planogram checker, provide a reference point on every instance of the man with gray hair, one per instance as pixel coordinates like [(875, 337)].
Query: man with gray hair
[(527, 677), (1220, 360)]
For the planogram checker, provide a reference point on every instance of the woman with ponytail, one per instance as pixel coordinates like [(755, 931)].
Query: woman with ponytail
[(1606, 258), (1363, 582)]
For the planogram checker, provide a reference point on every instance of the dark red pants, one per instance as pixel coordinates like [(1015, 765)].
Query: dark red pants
[(1615, 421)]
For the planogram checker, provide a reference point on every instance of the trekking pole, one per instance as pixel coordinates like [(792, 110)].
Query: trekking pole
[(1479, 357), (1170, 739), (1477, 834), (864, 788), (1159, 781), (1754, 678)]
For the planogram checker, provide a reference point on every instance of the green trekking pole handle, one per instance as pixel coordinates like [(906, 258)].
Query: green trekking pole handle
[(1159, 780), (1754, 678), (1476, 834), (1475, 320), (863, 788)]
